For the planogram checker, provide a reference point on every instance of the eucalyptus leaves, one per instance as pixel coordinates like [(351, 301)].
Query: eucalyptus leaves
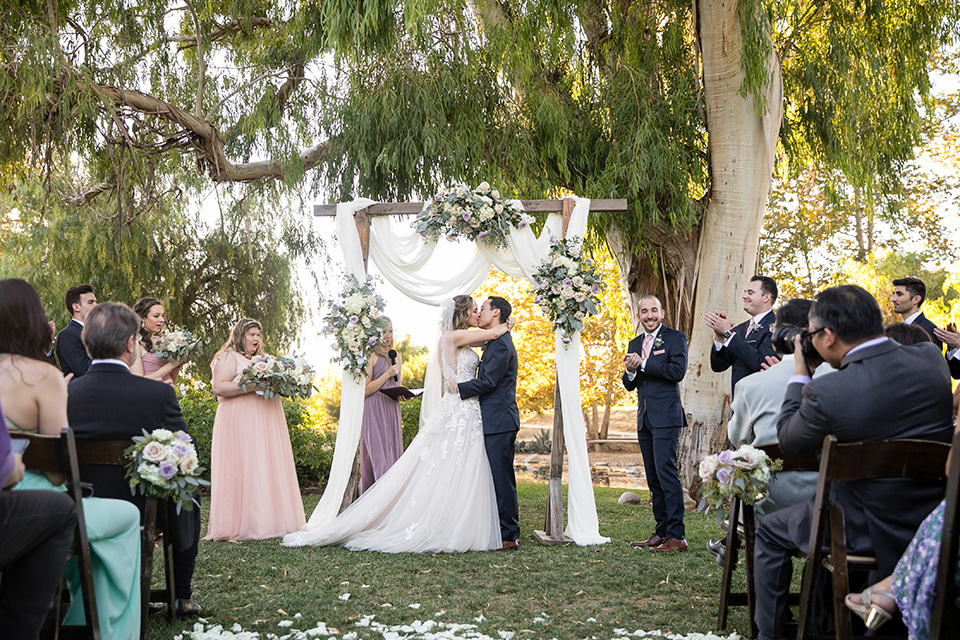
[(475, 214), (357, 323), (567, 286)]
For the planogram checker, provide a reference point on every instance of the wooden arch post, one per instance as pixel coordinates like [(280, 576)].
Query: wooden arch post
[(552, 533)]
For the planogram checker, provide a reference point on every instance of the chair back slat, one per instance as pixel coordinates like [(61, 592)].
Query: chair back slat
[(109, 452), (890, 459), (806, 463)]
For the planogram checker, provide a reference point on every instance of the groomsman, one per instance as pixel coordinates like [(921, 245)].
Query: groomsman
[(655, 363), (110, 403), (71, 353), (746, 346), (907, 296)]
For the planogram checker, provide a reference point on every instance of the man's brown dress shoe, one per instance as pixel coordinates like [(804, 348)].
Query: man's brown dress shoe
[(510, 545), (652, 541), (670, 545)]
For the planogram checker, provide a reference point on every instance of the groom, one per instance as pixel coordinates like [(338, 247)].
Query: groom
[(496, 385)]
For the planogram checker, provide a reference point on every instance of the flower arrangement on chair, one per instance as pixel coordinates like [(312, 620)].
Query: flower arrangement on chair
[(164, 464), (567, 286), (357, 323), (745, 472), (475, 214)]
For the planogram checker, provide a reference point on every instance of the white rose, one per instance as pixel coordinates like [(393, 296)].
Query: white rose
[(154, 452), (747, 457), (483, 186), (578, 281), (579, 315), (566, 293), (708, 467), (188, 464)]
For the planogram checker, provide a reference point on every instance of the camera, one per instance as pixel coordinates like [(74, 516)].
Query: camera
[(783, 338)]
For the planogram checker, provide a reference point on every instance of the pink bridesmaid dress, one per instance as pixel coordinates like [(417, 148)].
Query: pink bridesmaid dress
[(254, 493), (152, 363)]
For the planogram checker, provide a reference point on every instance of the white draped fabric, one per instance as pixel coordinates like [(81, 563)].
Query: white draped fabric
[(403, 257)]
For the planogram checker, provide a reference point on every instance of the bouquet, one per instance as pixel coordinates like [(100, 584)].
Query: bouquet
[(178, 345), (566, 286), (357, 324), (745, 473), (288, 376), (164, 464), (475, 214)]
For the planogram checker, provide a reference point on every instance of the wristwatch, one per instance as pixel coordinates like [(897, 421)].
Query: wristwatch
[(728, 334)]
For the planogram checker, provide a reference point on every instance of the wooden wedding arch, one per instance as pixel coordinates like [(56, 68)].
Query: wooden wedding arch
[(552, 533)]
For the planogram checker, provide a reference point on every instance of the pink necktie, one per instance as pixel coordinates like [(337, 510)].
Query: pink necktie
[(750, 326), (647, 340)]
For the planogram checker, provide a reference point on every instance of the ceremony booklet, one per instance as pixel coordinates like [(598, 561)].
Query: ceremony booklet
[(401, 393)]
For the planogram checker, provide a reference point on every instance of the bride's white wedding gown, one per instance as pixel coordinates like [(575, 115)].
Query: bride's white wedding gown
[(438, 496)]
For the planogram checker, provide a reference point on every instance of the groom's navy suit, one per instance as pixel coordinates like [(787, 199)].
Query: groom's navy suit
[(110, 403), (659, 419), (496, 386)]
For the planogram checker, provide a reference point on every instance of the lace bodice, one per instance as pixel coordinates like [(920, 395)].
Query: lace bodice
[(467, 361)]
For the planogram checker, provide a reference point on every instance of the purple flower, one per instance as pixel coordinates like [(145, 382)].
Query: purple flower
[(553, 239), (724, 476), (181, 449), (596, 289), (567, 281), (466, 216), (167, 469), (354, 319), (372, 341), (522, 225), (183, 435), (482, 234), (725, 457), (437, 198), (423, 234), (566, 340), (369, 277)]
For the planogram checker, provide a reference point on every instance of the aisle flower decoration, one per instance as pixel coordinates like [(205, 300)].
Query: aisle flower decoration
[(288, 376), (178, 344), (357, 324), (567, 286), (475, 214), (745, 472), (164, 464)]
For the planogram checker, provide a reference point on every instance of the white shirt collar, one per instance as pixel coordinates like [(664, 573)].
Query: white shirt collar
[(655, 332), (759, 316), (110, 361), (913, 318), (79, 322)]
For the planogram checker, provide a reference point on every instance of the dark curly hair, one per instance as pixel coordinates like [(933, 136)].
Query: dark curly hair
[(142, 308)]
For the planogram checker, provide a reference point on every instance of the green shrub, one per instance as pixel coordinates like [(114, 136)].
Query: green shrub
[(410, 418)]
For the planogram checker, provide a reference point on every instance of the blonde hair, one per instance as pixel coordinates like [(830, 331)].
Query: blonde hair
[(236, 341), (462, 308)]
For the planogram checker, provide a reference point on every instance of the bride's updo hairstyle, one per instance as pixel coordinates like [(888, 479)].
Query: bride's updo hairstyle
[(462, 310), (236, 341), (142, 308)]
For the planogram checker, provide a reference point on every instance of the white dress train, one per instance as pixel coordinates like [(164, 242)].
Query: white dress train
[(437, 497)]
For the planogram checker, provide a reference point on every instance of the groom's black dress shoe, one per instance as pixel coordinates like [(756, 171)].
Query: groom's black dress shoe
[(510, 545), (188, 609)]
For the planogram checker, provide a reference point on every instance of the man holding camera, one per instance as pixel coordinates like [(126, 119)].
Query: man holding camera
[(881, 391), (746, 346)]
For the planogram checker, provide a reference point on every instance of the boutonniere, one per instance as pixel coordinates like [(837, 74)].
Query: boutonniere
[(759, 327), (658, 342)]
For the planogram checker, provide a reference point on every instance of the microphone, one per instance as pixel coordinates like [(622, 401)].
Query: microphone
[(392, 354)]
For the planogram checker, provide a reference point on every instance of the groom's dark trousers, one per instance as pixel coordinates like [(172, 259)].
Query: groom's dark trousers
[(110, 403), (496, 386)]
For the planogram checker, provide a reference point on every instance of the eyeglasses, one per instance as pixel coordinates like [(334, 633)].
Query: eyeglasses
[(810, 334)]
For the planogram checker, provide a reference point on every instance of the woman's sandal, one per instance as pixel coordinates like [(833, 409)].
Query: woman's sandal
[(874, 616)]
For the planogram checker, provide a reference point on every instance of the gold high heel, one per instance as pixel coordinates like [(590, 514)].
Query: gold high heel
[(874, 616)]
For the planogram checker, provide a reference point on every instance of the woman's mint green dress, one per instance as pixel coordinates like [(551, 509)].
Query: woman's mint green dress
[(113, 528)]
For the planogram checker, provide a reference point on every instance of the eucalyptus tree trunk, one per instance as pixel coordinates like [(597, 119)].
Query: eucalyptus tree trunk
[(742, 143)]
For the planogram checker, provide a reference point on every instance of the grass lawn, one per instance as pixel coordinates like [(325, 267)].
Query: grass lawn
[(537, 592)]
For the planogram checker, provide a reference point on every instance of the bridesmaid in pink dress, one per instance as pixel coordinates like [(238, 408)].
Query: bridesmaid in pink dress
[(381, 434), (147, 364), (254, 493)]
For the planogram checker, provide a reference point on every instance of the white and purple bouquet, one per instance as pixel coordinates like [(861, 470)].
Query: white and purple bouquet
[(289, 376), (475, 214), (357, 323), (745, 472), (567, 286), (178, 345), (165, 464)]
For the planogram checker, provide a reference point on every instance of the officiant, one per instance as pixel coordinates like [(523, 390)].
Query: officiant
[(381, 434)]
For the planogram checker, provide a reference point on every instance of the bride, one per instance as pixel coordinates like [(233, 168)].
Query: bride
[(439, 495)]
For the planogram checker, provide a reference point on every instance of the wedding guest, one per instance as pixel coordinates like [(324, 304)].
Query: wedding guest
[(34, 397), (111, 404), (148, 364), (906, 334), (381, 433), (71, 355), (36, 528), (254, 493), (910, 589)]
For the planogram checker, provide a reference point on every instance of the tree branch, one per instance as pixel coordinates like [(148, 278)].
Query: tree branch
[(234, 26)]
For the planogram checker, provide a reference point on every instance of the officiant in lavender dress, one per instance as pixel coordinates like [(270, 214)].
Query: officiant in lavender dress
[(381, 434)]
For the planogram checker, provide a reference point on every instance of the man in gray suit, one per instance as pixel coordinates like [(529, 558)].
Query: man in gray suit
[(881, 391)]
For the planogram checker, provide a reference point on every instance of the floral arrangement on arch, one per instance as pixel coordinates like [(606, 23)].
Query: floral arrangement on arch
[(288, 376), (178, 344), (165, 464), (357, 324), (475, 214), (567, 286), (745, 472)]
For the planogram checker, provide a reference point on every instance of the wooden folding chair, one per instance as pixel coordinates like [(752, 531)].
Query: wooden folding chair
[(154, 515), (58, 454), (845, 463), (747, 532), (945, 617)]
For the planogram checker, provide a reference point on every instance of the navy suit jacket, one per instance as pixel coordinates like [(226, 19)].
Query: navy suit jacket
[(882, 392), (745, 353), (496, 386), (927, 325), (71, 353), (657, 386)]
